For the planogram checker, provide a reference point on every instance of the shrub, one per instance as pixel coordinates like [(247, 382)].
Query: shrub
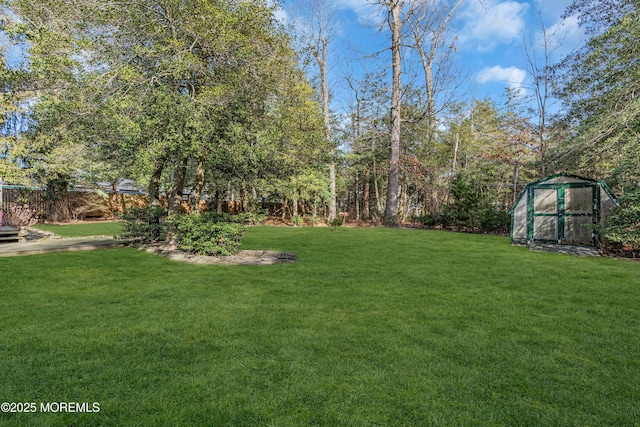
[(470, 211), (464, 213), (493, 219), (146, 224), (314, 220), (247, 218), (429, 220), (197, 233), (19, 215), (298, 220), (251, 218), (336, 222), (621, 231)]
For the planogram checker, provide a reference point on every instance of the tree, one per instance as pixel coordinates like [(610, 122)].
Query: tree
[(181, 93), (368, 132), (317, 29), (429, 24), (38, 79), (519, 138), (600, 87), (540, 69), (496, 147), (395, 24), (10, 121)]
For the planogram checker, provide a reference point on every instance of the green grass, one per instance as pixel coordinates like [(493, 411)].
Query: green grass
[(369, 327), (100, 228)]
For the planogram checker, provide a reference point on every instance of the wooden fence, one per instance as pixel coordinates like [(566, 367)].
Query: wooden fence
[(86, 204), (73, 205)]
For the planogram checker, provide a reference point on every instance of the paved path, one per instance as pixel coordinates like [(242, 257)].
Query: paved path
[(60, 245)]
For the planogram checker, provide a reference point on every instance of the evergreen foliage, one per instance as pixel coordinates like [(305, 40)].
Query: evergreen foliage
[(471, 210), (208, 233), (146, 224), (198, 233), (622, 228)]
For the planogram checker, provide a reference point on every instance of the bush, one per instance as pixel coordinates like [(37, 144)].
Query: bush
[(247, 218), (199, 234), (146, 224), (16, 215), (336, 222), (252, 218), (621, 232), (470, 211), (429, 220), (494, 220), (297, 220)]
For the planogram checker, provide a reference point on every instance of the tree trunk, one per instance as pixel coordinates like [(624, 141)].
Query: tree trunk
[(390, 214), (244, 197), (154, 182), (253, 206), (453, 166), (356, 196), (379, 207), (284, 207), (366, 194), (198, 185), (332, 192), (322, 63), (427, 65), (219, 195), (113, 199), (294, 211), (175, 201)]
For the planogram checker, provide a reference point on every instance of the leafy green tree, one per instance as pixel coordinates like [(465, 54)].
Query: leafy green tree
[(600, 87), (178, 92), (318, 29), (10, 118)]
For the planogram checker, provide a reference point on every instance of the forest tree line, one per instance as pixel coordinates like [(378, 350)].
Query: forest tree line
[(207, 101)]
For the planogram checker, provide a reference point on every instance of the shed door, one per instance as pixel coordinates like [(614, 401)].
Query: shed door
[(546, 214), (563, 213), (579, 213)]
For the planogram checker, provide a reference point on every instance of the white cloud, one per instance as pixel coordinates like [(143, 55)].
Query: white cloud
[(487, 25), (552, 9), (566, 35), (512, 77), (281, 16), (368, 12), (353, 4)]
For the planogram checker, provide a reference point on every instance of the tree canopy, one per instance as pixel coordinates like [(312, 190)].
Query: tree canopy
[(182, 91), (601, 87)]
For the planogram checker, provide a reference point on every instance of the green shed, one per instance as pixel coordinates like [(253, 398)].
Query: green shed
[(560, 209)]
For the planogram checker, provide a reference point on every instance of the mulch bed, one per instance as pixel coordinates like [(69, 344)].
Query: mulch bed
[(247, 257)]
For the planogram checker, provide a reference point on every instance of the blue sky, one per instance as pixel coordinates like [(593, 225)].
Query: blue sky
[(489, 44)]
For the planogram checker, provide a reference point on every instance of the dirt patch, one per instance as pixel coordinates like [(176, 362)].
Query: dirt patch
[(241, 258)]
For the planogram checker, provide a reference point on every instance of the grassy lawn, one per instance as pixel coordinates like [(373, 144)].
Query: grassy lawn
[(98, 228), (369, 327)]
